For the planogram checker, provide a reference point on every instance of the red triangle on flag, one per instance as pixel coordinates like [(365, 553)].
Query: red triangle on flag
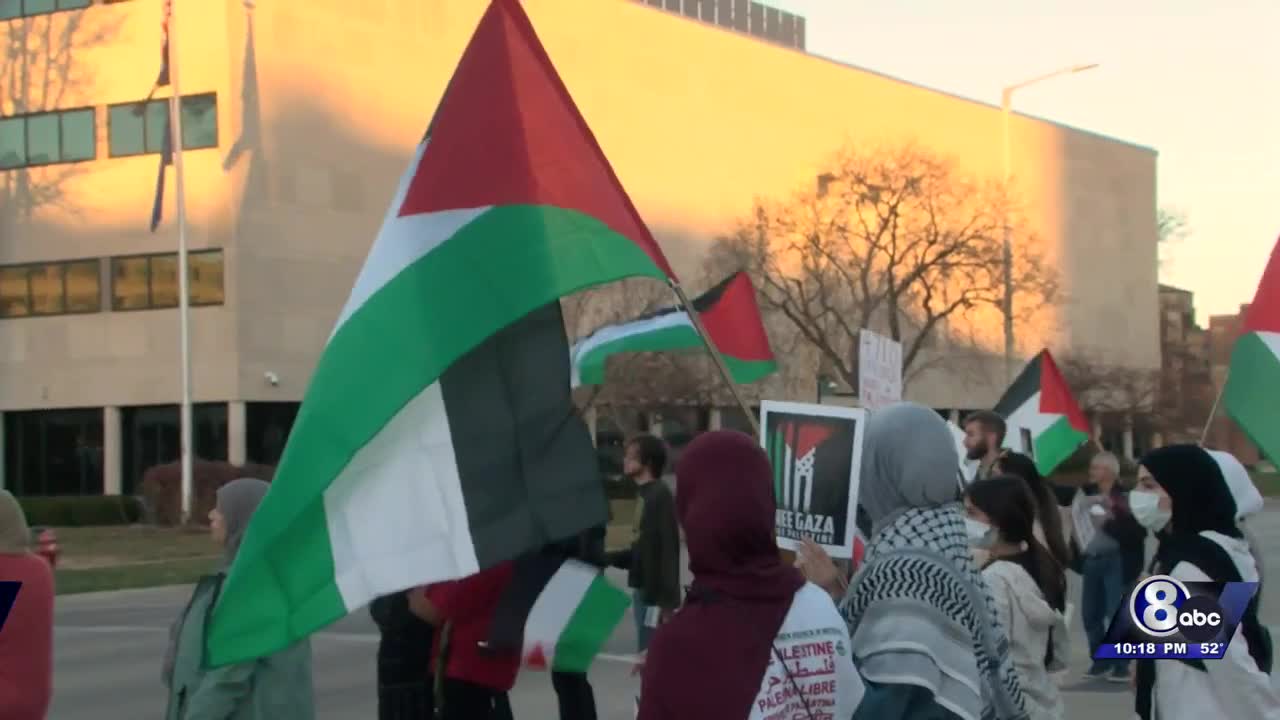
[(1263, 314), (507, 132), (1055, 394), (536, 658)]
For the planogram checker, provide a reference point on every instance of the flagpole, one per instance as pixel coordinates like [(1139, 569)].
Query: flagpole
[(715, 354), (1213, 411), (184, 295)]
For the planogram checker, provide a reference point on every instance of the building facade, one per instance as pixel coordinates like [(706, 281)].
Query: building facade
[(1224, 434), (298, 119)]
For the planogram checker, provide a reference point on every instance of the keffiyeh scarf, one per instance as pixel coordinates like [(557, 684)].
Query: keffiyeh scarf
[(914, 620)]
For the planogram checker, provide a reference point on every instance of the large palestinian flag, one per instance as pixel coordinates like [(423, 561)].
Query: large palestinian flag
[(437, 436), (729, 314), (1252, 394), (1040, 411)]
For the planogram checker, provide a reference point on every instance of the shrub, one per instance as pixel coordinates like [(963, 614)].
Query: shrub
[(162, 487), (81, 511)]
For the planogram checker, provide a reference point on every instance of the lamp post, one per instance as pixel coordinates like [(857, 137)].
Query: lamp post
[(1006, 110)]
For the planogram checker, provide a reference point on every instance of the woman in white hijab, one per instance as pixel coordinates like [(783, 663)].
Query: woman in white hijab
[(1248, 500)]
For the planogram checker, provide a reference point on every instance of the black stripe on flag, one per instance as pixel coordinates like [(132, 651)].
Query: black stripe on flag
[(525, 459), (531, 575), (1023, 389)]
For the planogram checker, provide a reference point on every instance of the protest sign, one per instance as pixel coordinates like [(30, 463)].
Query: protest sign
[(816, 454), (879, 370)]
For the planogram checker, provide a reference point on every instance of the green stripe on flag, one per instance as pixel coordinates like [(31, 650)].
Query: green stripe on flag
[(1056, 443), (679, 338), (1249, 395), (507, 262), (590, 626)]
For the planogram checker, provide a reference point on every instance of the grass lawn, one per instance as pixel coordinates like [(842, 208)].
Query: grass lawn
[(115, 558)]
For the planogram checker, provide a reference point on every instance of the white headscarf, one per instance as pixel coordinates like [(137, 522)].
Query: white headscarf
[(1243, 491)]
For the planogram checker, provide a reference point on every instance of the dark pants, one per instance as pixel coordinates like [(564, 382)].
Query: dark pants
[(1102, 594), (577, 702), (404, 679), (466, 701)]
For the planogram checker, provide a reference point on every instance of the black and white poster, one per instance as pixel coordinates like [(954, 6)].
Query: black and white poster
[(816, 455)]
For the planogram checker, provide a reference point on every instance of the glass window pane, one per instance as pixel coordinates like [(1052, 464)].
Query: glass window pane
[(73, 4), (164, 281), (10, 9), (200, 121), (42, 139), (157, 124), (13, 139), (78, 136), (204, 274), (129, 283), (125, 134), (13, 292), (84, 287), (46, 289), (34, 7)]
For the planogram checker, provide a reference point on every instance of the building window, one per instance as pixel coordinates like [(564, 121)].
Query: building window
[(56, 288), (148, 282), (54, 452), (267, 426), (150, 436), (47, 138), (138, 128), (10, 9)]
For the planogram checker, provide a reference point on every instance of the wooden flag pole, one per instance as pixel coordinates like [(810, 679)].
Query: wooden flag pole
[(1213, 411), (715, 353)]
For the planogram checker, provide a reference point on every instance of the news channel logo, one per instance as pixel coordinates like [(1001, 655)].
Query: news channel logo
[(1164, 618), (8, 595)]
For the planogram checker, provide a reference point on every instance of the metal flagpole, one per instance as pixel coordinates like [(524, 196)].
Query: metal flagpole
[(715, 354), (184, 315), (1204, 434)]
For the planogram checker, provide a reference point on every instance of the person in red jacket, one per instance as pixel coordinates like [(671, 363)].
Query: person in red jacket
[(476, 680), (26, 638)]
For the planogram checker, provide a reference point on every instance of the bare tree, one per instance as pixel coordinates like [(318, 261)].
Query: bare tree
[(894, 239), (1172, 227), (39, 71)]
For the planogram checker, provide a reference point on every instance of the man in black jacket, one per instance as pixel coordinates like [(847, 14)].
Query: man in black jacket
[(573, 690), (653, 560)]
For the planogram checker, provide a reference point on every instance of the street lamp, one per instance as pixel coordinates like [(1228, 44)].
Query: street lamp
[(1006, 110)]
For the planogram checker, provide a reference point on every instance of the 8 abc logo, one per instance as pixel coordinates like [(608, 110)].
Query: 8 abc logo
[(1161, 606)]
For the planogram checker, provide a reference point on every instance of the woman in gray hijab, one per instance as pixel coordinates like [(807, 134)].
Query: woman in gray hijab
[(276, 687), (924, 630)]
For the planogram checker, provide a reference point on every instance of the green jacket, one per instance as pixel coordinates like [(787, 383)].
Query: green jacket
[(277, 687)]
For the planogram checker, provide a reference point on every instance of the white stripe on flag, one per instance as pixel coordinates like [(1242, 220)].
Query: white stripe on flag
[(555, 606), (396, 515), (808, 460), (613, 333)]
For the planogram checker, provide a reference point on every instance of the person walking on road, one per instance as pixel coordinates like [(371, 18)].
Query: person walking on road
[(26, 639), (275, 687), (652, 561)]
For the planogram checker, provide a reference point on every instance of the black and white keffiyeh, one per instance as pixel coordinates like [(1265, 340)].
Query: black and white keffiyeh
[(920, 613)]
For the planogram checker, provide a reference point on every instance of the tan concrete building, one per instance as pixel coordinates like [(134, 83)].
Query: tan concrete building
[(301, 116)]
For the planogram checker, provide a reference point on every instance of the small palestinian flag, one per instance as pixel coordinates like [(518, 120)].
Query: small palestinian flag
[(794, 455), (438, 437), (1044, 420), (1251, 396), (557, 613), (729, 314)]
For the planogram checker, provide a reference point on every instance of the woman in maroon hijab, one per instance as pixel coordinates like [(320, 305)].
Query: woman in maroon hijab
[(754, 639)]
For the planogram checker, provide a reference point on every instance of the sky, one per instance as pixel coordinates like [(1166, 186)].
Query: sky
[(1198, 80)]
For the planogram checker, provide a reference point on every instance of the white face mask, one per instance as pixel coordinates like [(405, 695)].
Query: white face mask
[(1147, 511), (981, 535)]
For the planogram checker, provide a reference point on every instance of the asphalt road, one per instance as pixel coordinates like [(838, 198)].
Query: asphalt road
[(109, 649)]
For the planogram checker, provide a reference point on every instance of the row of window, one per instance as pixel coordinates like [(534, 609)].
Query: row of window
[(10, 9), (138, 282), (134, 128)]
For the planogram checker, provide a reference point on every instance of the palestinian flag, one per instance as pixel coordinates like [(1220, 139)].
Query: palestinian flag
[(1044, 420), (557, 613), (437, 436), (794, 454), (729, 314), (1250, 396)]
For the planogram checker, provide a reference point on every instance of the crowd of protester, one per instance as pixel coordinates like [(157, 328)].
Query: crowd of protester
[(958, 609)]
